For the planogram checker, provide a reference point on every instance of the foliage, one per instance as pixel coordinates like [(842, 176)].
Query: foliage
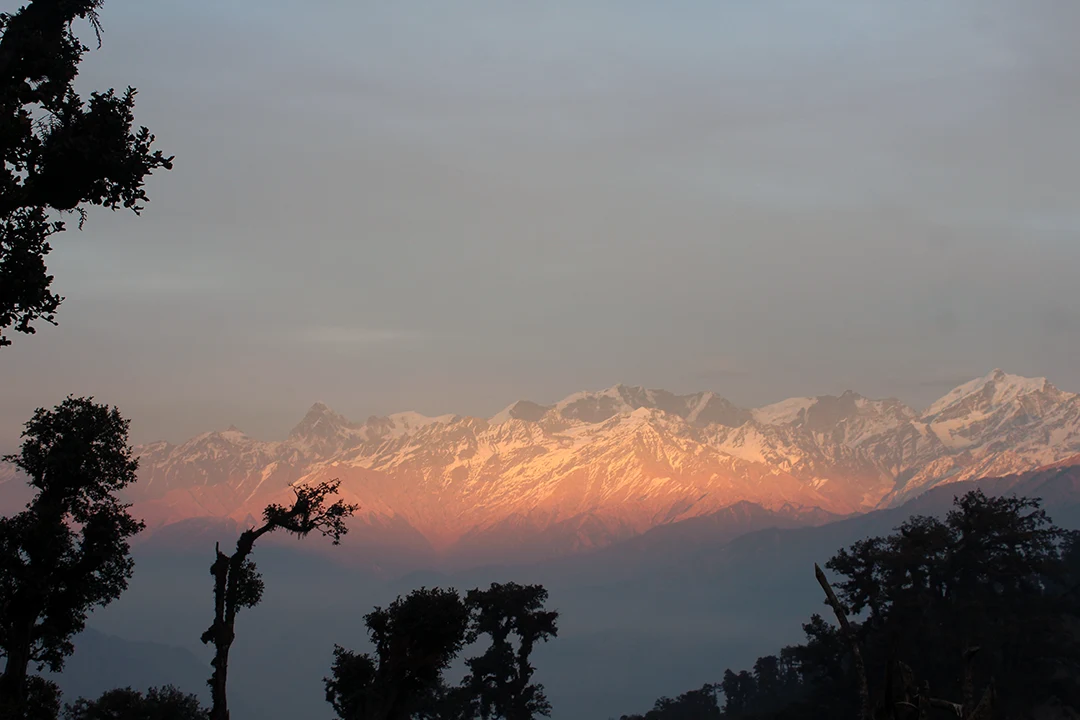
[(60, 153), (238, 584), (501, 678), (971, 614), (166, 703), (42, 699), (984, 578), (418, 636), (68, 551), (701, 704), (415, 639)]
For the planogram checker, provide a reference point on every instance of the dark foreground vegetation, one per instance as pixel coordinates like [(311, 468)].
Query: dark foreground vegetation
[(973, 616)]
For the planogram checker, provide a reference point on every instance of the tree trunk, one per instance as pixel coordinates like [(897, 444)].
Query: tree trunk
[(969, 680), (218, 634), (230, 575), (220, 703), (13, 681), (227, 577), (853, 642), (26, 608)]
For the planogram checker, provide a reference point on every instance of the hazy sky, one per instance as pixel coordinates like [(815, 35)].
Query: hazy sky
[(445, 207)]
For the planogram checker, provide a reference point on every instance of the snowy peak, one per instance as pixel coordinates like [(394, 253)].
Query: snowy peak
[(319, 422), (705, 409), (626, 457), (596, 407), (989, 392), (521, 410), (699, 409), (849, 417), (785, 412), (857, 415), (323, 431), (407, 423), (221, 440), (325, 428), (708, 408)]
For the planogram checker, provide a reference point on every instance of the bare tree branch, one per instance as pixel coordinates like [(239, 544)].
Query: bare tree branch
[(853, 642)]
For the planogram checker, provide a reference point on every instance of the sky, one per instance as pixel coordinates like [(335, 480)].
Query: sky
[(446, 207)]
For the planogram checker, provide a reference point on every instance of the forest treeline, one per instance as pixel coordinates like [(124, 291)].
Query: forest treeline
[(974, 616)]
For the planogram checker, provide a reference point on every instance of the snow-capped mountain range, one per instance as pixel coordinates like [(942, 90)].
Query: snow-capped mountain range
[(598, 467)]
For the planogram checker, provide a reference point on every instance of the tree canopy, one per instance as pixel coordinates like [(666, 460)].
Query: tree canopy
[(501, 678), (416, 638), (68, 551), (60, 153), (974, 614), (165, 703)]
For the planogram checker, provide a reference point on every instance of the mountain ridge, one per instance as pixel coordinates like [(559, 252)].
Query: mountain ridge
[(599, 467)]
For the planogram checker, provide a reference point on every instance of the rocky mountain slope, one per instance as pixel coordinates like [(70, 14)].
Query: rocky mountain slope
[(598, 467)]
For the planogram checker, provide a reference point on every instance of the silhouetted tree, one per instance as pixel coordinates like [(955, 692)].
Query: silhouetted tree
[(698, 704), (59, 153), (767, 675), (501, 679), (974, 597), (418, 636), (973, 616), (826, 683), (238, 584), (739, 691), (415, 638), (42, 700), (68, 551), (351, 690), (166, 703), (446, 702)]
